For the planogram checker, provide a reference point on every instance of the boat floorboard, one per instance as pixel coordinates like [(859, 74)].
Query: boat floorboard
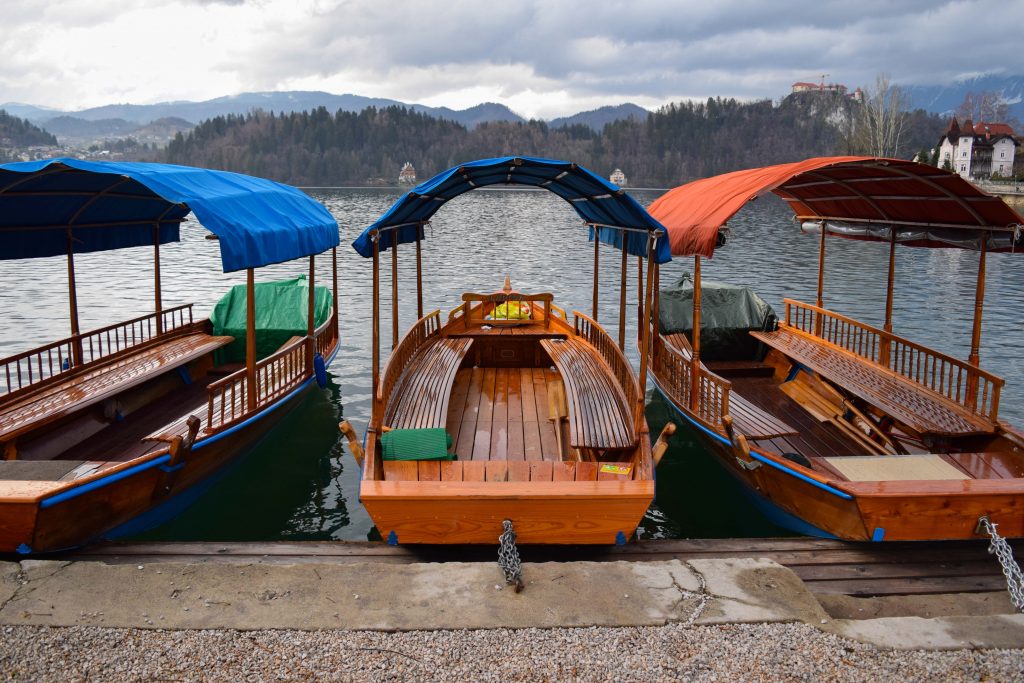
[(826, 566)]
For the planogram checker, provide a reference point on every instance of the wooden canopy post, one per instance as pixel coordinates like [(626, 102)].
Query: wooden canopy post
[(394, 288), (622, 295), (695, 339), (819, 301), (76, 343), (656, 315), (156, 279), (334, 289), (597, 270), (310, 318), (646, 333), (979, 302), (885, 347), (250, 339), (639, 298), (419, 275), (376, 312)]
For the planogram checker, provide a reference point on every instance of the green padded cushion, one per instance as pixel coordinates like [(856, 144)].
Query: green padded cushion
[(416, 444)]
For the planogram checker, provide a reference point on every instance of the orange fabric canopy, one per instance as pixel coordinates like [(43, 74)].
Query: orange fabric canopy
[(891, 192)]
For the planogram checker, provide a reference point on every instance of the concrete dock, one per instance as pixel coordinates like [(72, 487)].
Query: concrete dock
[(227, 593)]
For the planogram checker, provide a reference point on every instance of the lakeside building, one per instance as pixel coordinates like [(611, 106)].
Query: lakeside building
[(978, 150), (618, 177), (407, 176)]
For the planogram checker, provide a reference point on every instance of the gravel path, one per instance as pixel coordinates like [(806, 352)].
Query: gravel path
[(758, 652)]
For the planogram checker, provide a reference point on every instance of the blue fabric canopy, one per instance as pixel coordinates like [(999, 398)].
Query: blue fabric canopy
[(597, 202), (112, 205)]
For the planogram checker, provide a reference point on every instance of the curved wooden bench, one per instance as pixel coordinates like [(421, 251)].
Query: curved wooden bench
[(420, 398), (598, 415), (89, 388), (915, 406)]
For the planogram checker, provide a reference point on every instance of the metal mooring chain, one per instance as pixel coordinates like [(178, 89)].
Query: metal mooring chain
[(1011, 570), (508, 556)]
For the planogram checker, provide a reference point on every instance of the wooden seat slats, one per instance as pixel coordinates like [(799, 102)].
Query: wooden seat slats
[(105, 381), (421, 396), (751, 421), (598, 415), (501, 471), (915, 406)]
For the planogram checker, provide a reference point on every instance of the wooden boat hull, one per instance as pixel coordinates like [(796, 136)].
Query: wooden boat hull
[(598, 512), (131, 497), (864, 511)]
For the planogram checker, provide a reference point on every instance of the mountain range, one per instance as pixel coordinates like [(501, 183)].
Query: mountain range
[(944, 99)]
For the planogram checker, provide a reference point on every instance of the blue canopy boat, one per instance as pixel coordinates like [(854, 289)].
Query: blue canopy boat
[(509, 413), (109, 431)]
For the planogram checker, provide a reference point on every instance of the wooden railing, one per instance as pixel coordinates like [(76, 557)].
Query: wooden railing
[(970, 386), (423, 329), (507, 298), (587, 328), (559, 311), (46, 363), (276, 376), (674, 374)]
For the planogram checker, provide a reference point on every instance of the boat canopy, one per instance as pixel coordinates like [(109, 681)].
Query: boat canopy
[(605, 207), (97, 205), (861, 198)]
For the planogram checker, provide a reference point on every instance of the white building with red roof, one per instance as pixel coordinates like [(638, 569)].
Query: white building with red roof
[(978, 150)]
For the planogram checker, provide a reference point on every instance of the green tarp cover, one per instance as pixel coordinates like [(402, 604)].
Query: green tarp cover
[(727, 314), (416, 444), (281, 310)]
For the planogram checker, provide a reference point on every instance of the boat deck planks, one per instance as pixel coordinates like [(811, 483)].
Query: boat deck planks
[(921, 409), (826, 566), (501, 414)]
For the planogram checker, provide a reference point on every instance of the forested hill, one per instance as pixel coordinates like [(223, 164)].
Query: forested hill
[(15, 132), (678, 143)]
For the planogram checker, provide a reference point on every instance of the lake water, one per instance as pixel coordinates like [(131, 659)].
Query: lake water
[(301, 484)]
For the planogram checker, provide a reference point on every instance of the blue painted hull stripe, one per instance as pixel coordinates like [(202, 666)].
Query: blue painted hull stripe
[(100, 483), (163, 459), (754, 455)]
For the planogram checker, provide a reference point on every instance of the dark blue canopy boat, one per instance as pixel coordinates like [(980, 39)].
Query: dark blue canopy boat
[(605, 207), (111, 205)]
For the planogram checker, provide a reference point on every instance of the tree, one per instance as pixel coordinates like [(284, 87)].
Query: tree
[(987, 105), (882, 118)]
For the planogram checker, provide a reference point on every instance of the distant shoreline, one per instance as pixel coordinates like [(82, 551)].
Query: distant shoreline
[(519, 188)]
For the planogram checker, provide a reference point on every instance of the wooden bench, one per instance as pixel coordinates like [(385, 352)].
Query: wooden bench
[(748, 419), (420, 398), (922, 410), (93, 386), (598, 415)]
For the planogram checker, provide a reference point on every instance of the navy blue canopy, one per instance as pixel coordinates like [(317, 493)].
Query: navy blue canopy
[(603, 205), (112, 205)]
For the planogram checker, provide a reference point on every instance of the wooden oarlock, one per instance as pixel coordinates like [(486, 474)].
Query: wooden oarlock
[(394, 288), (661, 445), (311, 318), (250, 339), (597, 270), (158, 303), (695, 334), (622, 296)]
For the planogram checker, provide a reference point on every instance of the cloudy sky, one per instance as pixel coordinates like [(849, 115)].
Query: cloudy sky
[(543, 58)]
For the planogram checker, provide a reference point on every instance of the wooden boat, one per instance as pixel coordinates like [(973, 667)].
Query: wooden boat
[(843, 429), (110, 431), (544, 412)]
